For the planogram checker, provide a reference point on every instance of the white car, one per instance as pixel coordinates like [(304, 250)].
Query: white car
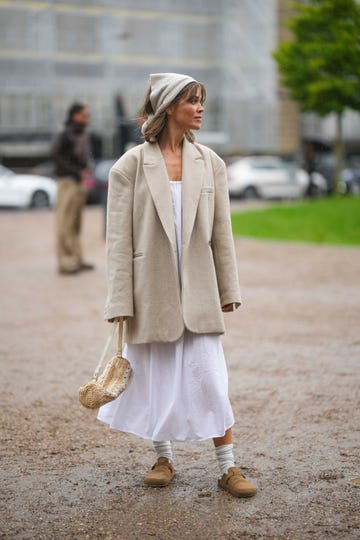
[(270, 177), (26, 190)]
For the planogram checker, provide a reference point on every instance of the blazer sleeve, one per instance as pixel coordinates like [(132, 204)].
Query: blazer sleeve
[(222, 241), (119, 246)]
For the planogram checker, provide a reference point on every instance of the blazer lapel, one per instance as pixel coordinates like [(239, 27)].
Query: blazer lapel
[(192, 179), (157, 179)]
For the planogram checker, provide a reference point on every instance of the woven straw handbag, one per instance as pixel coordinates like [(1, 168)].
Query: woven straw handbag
[(112, 381)]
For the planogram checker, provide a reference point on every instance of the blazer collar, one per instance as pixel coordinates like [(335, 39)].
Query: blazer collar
[(192, 179)]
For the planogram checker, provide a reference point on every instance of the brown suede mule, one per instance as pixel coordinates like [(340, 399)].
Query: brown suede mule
[(160, 474), (234, 482)]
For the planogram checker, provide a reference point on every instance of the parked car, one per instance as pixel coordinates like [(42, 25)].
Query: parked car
[(325, 165), (47, 168), (270, 177), (101, 175), (26, 190)]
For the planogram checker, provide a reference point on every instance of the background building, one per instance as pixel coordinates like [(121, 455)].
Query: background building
[(53, 52)]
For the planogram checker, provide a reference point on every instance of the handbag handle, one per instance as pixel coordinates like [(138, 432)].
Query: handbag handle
[(120, 337), (107, 345)]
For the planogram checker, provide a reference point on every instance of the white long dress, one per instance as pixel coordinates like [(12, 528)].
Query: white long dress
[(179, 390)]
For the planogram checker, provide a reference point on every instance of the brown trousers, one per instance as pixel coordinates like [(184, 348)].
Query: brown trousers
[(70, 202)]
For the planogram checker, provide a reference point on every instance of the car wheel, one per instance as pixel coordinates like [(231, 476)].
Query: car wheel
[(40, 199), (250, 193)]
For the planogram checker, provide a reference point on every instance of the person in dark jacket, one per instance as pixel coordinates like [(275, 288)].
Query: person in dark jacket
[(72, 162)]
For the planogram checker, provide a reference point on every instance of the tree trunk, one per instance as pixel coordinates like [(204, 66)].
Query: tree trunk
[(338, 154)]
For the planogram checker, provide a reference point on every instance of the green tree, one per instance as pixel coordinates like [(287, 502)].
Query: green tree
[(321, 65)]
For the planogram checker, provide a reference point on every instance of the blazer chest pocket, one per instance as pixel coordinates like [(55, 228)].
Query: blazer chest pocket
[(207, 190), (206, 208)]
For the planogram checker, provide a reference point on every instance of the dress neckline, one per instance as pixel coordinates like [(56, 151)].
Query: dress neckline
[(175, 181)]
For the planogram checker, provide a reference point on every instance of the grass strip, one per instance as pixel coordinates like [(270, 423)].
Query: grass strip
[(334, 220)]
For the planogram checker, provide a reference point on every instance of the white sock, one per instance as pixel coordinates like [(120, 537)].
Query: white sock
[(225, 457), (163, 449)]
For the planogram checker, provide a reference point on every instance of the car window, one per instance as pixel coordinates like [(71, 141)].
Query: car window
[(267, 165), (4, 171)]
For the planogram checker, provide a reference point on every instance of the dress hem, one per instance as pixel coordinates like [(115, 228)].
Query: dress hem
[(173, 439)]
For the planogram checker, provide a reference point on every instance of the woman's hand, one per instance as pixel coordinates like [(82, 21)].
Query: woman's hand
[(228, 307)]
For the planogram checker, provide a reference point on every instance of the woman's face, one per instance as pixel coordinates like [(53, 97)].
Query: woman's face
[(187, 114)]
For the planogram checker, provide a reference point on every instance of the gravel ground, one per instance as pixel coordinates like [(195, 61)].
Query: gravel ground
[(293, 353)]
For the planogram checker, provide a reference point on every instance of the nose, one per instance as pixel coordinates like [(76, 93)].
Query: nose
[(201, 108)]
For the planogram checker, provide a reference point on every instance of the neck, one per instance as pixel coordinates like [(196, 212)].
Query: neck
[(171, 138)]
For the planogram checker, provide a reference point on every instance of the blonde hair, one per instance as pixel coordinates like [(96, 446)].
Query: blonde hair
[(153, 131)]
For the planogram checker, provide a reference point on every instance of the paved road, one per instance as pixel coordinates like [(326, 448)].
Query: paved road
[(293, 353)]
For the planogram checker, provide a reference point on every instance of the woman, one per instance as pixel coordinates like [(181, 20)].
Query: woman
[(171, 273)]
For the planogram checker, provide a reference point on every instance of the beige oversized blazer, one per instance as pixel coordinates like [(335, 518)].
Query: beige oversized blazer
[(142, 262)]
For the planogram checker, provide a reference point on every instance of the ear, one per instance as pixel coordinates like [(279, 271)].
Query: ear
[(170, 110)]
